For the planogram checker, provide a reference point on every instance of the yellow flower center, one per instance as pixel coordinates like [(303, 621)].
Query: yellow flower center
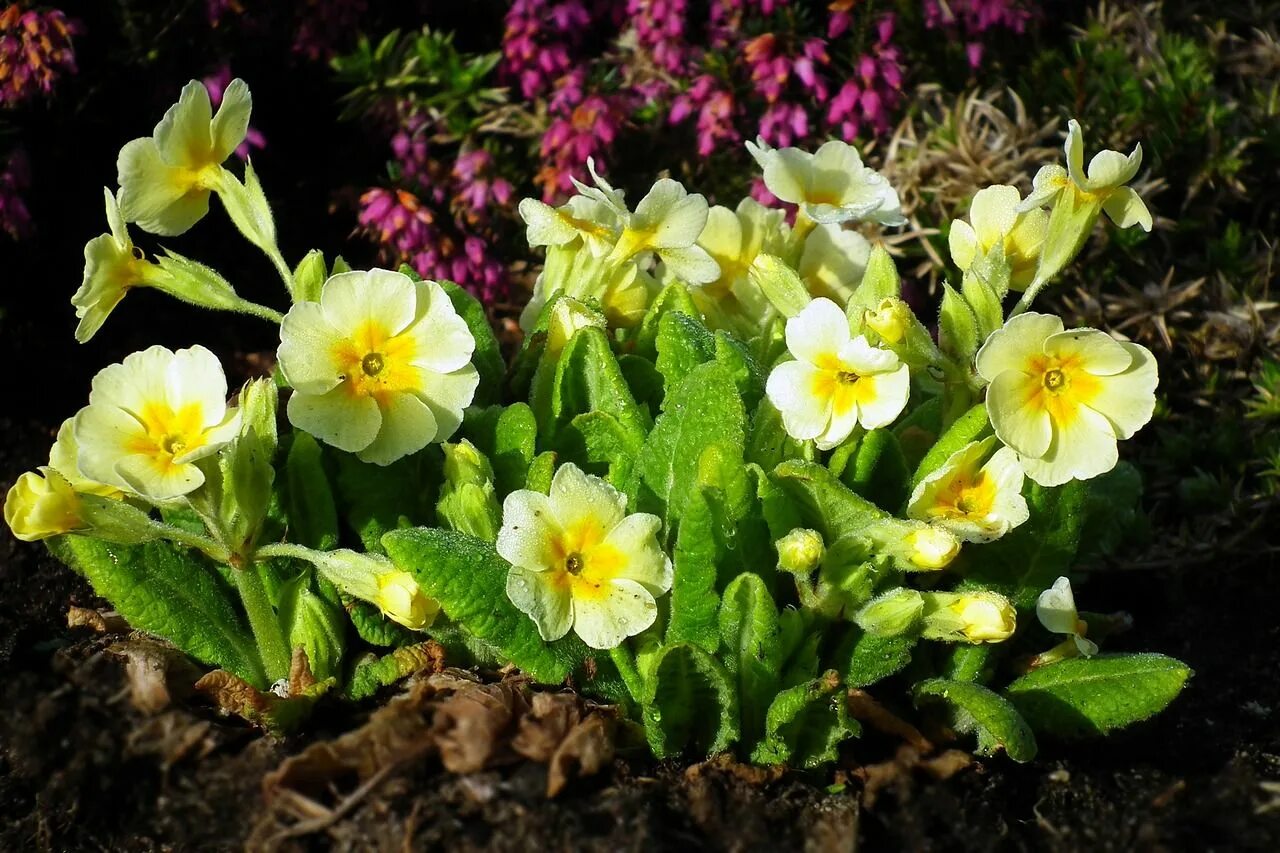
[(586, 562), (375, 363), (168, 434), (841, 384), (1059, 385), (967, 495)]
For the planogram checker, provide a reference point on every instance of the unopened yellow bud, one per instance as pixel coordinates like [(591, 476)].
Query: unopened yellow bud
[(968, 617), (890, 320), (403, 601), (932, 548), (800, 551), (41, 505)]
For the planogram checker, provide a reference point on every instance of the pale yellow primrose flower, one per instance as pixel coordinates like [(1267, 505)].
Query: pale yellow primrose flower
[(837, 381), (977, 502), (668, 222), (151, 418), (380, 366), (579, 561), (1056, 610), (111, 267), (997, 220), (1103, 183), (968, 617), (1061, 399), (832, 262), (831, 185), (42, 504), (165, 179), (734, 239), (589, 219), (401, 600), (63, 458)]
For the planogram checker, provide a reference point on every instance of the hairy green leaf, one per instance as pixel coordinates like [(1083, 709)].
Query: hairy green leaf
[(768, 444), (694, 600), (957, 327), (825, 504), (971, 426), (806, 724), (507, 435), (683, 343), (370, 676), (864, 659), (974, 708), (692, 703), (377, 499), (1081, 697), (164, 591), (752, 638), (308, 499)]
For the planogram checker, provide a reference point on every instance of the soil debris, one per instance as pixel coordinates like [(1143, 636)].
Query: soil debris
[(158, 675)]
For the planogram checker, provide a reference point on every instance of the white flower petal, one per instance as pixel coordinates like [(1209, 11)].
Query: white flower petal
[(308, 344), (962, 241), (543, 599), (673, 217), (691, 265), (1081, 449), (447, 394), (407, 427), (1095, 351), (545, 227), (444, 341), (1113, 169), (102, 434), (636, 536), (195, 375), (889, 399), (833, 262), (1045, 186), (337, 417), (790, 388), (624, 609), (1074, 149), (529, 531), (1128, 399), (993, 212), (1126, 209), (1024, 427), (1056, 608), (355, 300), (865, 359), (787, 173), (230, 125), (819, 331), (577, 496), (1012, 347), (157, 482)]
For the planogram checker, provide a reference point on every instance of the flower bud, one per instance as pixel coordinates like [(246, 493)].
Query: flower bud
[(41, 505), (568, 317), (468, 502), (892, 614), (890, 320), (932, 548), (979, 616), (375, 579), (403, 601), (800, 551)]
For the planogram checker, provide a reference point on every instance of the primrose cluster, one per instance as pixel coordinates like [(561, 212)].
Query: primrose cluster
[(729, 476)]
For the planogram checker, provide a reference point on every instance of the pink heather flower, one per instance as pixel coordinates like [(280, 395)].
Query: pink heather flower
[(35, 50), (581, 127), (715, 109), (477, 188), (868, 100), (15, 219), (324, 25), (784, 124), (538, 42), (217, 83), (659, 26), (972, 19)]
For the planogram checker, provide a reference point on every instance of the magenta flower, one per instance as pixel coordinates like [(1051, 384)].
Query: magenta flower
[(35, 50)]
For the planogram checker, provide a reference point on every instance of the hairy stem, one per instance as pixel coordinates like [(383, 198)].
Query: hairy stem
[(262, 619)]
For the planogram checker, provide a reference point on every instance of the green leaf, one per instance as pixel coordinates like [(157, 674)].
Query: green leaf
[(825, 504), (969, 663), (314, 624), (876, 470), (971, 426), (674, 298), (507, 435), (374, 628), (166, 592), (768, 444), (597, 440), (1114, 515), (806, 725), (742, 368), (1025, 561), (751, 634), (541, 472), (974, 708), (588, 379), (377, 498), (683, 343), (864, 659), (469, 579), (370, 676), (694, 600), (487, 357), (703, 411), (644, 380), (691, 704), (957, 327), (1081, 697), (308, 499)]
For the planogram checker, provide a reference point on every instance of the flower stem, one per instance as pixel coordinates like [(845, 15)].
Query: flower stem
[(263, 621), (262, 311)]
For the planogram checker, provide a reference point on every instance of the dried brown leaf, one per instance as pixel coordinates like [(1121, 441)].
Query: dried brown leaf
[(101, 621), (157, 673)]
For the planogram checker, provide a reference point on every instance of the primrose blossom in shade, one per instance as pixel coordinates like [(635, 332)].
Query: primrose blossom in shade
[(166, 178), (112, 267), (1062, 398), (151, 419), (837, 382), (380, 366), (1056, 610), (1104, 182), (831, 185), (997, 219), (580, 562), (977, 501)]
